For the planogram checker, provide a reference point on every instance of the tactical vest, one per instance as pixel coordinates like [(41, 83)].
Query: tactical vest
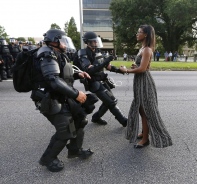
[(99, 59), (4, 50), (67, 74), (14, 49)]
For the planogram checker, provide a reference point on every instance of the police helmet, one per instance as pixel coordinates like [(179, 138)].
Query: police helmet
[(89, 37), (12, 40), (29, 42), (58, 36), (40, 43), (3, 41)]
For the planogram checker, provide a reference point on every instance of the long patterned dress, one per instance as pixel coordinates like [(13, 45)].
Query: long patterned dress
[(145, 95)]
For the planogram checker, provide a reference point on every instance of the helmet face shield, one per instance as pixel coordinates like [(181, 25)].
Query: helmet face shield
[(67, 43), (12, 40), (95, 42), (3, 42)]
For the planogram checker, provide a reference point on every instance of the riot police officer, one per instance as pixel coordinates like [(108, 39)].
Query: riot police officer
[(6, 58), (1, 68), (91, 60), (14, 48), (60, 101)]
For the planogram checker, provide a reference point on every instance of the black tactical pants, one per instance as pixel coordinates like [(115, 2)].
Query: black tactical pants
[(109, 102), (8, 65), (63, 123)]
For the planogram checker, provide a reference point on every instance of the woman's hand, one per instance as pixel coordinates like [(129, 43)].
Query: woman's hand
[(123, 69), (133, 66)]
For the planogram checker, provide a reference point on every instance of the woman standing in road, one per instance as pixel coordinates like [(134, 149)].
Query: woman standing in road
[(145, 97)]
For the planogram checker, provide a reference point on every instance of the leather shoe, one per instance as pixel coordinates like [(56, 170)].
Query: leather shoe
[(142, 145)]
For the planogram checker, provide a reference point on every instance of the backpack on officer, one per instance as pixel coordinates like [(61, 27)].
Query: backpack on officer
[(23, 72)]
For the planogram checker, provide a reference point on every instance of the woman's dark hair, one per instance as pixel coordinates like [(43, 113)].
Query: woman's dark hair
[(150, 38)]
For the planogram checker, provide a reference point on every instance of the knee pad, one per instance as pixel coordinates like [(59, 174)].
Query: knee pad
[(80, 122), (65, 128), (83, 123), (107, 98)]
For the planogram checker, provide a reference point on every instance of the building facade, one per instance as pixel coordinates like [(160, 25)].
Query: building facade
[(97, 18)]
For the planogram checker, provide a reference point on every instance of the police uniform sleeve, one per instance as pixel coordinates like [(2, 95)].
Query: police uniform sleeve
[(50, 70), (85, 63), (115, 69)]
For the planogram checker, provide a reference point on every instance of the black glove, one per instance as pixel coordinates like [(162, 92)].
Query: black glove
[(108, 60)]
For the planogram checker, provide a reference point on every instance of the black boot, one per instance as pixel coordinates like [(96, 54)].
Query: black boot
[(82, 154), (54, 165), (119, 116), (99, 121), (124, 123), (49, 157), (75, 147), (96, 118)]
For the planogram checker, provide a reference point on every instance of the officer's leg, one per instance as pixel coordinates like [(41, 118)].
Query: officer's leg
[(96, 118), (75, 146), (7, 67), (58, 141), (110, 101), (3, 71)]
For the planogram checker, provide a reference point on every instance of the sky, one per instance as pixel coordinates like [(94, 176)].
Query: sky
[(24, 18)]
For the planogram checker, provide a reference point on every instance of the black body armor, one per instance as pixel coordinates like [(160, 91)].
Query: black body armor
[(98, 83)]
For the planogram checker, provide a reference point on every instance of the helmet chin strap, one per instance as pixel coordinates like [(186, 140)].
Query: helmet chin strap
[(91, 47)]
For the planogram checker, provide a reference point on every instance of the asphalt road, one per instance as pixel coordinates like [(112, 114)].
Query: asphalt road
[(25, 133)]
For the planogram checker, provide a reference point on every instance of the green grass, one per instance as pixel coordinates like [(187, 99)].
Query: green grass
[(187, 66)]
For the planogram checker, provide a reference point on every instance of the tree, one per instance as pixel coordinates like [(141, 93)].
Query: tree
[(22, 39), (66, 28), (71, 31), (55, 26), (174, 21), (3, 34)]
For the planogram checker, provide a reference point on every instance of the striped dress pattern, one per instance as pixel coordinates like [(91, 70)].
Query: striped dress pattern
[(145, 95)]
